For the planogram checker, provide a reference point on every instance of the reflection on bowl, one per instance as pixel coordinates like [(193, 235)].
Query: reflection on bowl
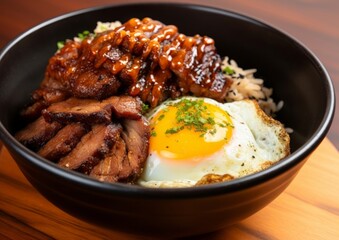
[(295, 74)]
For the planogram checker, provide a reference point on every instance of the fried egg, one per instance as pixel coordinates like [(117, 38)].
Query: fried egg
[(196, 141)]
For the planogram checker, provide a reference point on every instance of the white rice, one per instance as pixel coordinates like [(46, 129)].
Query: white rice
[(104, 26), (101, 27), (246, 86)]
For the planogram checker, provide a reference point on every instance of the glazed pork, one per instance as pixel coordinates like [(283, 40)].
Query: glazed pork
[(87, 113), (142, 58)]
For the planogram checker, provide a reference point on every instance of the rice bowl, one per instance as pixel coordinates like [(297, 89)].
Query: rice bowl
[(173, 212)]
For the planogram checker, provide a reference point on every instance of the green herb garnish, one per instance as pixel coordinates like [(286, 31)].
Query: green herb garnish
[(192, 114), (161, 117), (228, 70), (174, 130), (84, 34), (144, 107), (81, 36), (60, 44)]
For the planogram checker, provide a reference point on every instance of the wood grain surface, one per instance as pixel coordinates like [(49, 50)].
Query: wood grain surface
[(315, 23), (307, 209)]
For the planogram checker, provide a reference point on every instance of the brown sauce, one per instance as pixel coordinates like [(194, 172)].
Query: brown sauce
[(148, 59)]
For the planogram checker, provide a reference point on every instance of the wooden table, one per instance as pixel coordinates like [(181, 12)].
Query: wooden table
[(308, 209)]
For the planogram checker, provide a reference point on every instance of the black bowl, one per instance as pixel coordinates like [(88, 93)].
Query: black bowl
[(297, 76)]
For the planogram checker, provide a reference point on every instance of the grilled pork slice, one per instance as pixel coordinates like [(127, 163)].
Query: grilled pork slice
[(92, 111), (113, 167), (136, 135), (70, 71), (63, 142), (143, 58), (92, 148), (125, 161), (50, 95), (125, 107), (43, 97), (94, 83), (37, 133), (78, 110)]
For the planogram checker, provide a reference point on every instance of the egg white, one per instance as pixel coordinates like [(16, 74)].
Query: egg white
[(257, 142)]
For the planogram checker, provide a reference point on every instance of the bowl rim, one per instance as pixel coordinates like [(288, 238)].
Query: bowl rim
[(187, 192)]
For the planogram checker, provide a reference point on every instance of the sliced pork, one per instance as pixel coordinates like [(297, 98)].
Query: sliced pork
[(97, 84), (125, 161), (91, 91), (88, 111), (63, 142), (114, 166), (136, 136), (92, 148), (125, 107), (42, 98), (92, 111), (37, 133)]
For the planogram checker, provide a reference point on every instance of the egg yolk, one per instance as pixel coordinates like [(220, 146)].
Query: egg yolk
[(189, 130)]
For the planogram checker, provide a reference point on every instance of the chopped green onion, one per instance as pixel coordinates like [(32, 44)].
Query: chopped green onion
[(84, 34), (228, 70), (60, 44), (81, 36), (191, 114), (161, 117), (174, 130), (144, 107)]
